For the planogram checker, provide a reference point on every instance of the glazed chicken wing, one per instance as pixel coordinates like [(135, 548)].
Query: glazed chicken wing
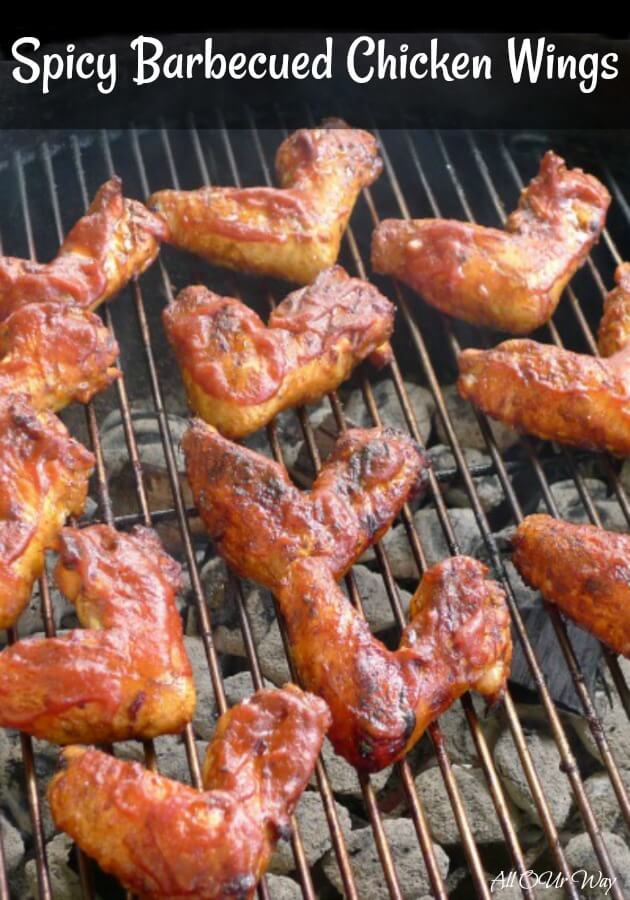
[(56, 354), (239, 373), (510, 280), (293, 231), (261, 522), (127, 675), (43, 479), (115, 240), (583, 570), (299, 544), (552, 393), (614, 328), (163, 839)]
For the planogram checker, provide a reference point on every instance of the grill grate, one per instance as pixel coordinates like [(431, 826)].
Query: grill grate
[(53, 184)]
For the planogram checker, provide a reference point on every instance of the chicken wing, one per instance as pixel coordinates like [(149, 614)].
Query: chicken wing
[(56, 354), (510, 280), (291, 232), (614, 328), (163, 839), (115, 240), (262, 523), (552, 393), (239, 373), (583, 570), (299, 544), (127, 675), (43, 479)]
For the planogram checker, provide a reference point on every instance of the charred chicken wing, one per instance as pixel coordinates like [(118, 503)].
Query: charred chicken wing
[(552, 393), (163, 839), (614, 328), (291, 232), (239, 373), (127, 674), (43, 479), (510, 280), (115, 240), (299, 544), (583, 570)]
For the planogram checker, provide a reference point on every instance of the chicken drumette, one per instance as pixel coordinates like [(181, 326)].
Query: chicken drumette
[(510, 280), (293, 231), (163, 839), (239, 373), (614, 328)]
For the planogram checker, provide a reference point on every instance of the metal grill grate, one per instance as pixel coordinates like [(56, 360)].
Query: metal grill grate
[(454, 174)]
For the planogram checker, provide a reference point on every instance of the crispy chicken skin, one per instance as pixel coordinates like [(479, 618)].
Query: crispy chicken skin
[(299, 544), (583, 569), (43, 479), (115, 240), (261, 522), (55, 353), (552, 393), (127, 674), (508, 279), (291, 232), (163, 839), (614, 328), (239, 373)]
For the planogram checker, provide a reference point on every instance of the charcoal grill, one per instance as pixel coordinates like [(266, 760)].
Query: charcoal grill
[(45, 186)]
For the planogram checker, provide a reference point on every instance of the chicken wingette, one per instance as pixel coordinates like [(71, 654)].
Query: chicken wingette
[(239, 373), (509, 279), (163, 839), (115, 240), (614, 327), (293, 231), (126, 673)]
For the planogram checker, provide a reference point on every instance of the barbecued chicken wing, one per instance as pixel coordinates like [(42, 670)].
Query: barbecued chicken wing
[(614, 328), (56, 354), (582, 569), (43, 479), (552, 393), (127, 675), (300, 543), (510, 280), (261, 522), (163, 839), (239, 373), (115, 240), (291, 232)]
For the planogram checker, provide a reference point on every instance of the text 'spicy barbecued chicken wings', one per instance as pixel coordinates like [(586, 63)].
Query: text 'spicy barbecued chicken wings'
[(163, 839), (293, 231), (127, 674), (115, 240), (510, 280), (552, 393), (614, 328), (44, 477), (299, 544), (583, 570), (239, 373)]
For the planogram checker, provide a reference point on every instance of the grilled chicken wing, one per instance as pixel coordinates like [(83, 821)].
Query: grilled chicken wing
[(43, 479), (614, 328), (510, 280), (163, 839), (127, 675), (115, 240), (552, 393), (239, 373), (291, 232), (584, 570), (299, 544), (261, 522), (56, 354)]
